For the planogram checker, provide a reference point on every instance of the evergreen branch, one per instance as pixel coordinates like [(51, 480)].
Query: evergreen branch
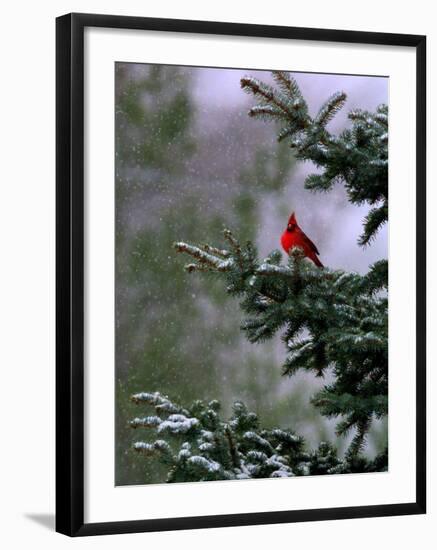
[(287, 84), (266, 94), (319, 182), (372, 223), (235, 245), (377, 277), (216, 251), (146, 422), (267, 112), (201, 268), (204, 258), (274, 270), (382, 118), (158, 401), (358, 115), (158, 448), (358, 441), (330, 108)]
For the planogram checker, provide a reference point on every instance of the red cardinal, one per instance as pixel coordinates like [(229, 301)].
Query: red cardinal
[(294, 236)]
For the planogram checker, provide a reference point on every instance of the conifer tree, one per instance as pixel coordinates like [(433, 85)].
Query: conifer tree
[(331, 321)]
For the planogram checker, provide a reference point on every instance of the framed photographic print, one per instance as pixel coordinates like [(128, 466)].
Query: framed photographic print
[(240, 274)]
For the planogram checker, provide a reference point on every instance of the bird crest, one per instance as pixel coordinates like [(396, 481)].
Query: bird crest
[(292, 219)]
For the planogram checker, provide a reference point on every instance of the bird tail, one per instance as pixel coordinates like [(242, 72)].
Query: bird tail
[(317, 261)]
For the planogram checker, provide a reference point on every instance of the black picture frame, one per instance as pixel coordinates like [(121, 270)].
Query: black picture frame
[(70, 273)]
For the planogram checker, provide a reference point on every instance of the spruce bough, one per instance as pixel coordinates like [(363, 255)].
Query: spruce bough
[(330, 320)]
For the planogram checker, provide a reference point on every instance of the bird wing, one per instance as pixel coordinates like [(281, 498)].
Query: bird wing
[(309, 243)]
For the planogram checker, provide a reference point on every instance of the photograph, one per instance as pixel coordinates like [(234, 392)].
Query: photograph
[(251, 274), (216, 275)]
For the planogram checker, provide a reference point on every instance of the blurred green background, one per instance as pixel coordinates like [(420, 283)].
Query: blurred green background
[(189, 161)]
